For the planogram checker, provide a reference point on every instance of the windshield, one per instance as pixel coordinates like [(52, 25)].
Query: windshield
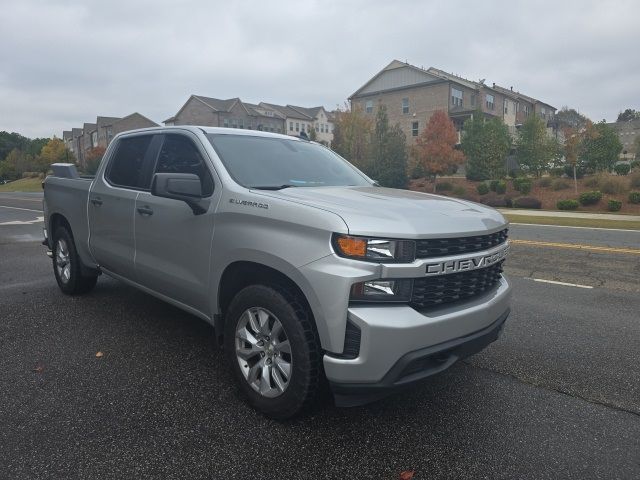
[(274, 163)]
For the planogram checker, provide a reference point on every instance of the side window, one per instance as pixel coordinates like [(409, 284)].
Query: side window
[(126, 168), (180, 155)]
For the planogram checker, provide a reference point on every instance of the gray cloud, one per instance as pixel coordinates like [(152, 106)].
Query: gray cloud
[(64, 62)]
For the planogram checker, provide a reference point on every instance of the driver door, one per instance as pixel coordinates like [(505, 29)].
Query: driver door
[(173, 246)]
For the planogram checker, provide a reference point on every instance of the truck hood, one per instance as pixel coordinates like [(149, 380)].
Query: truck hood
[(388, 212)]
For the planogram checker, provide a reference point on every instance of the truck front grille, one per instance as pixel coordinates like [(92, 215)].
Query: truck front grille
[(442, 247), (435, 291)]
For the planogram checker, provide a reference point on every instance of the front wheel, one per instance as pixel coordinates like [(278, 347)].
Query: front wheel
[(273, 350), (66, 265)]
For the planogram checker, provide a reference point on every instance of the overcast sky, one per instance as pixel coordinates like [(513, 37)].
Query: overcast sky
[(64, 62)]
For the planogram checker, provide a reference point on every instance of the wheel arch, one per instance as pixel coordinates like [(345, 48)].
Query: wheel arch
[(242, 273)]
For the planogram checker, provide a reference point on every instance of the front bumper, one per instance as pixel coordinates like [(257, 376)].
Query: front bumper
[(418, 365), (393, 336)]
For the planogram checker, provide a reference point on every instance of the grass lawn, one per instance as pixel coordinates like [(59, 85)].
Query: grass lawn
[(23, 185), (573, 222)]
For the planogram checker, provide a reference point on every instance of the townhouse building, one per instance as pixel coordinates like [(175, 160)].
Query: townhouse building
[(231, 113), (268, 117), (412, 94), (628, 133), (80, 140)]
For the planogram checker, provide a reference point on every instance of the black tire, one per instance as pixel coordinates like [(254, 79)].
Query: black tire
[(306, 379), (76, 284)]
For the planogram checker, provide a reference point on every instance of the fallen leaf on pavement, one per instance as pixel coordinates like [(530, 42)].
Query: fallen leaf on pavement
[(99, 354), (39, 368), (407, 474)]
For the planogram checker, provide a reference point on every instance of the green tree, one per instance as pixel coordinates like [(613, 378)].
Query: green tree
[(601, 147), (486, 144), (313, 135), (388, 163), (434, 151), (352, 136), (15, 164), (628, 114), (570, 118), (10, 141), (536, 151), (53, 151)]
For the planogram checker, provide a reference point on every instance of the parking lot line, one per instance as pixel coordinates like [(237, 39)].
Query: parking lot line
[(18, 208), (542, 280), (576, 246)]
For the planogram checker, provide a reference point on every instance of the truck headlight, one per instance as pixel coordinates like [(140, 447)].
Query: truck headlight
[(374, 249), (382, 291)]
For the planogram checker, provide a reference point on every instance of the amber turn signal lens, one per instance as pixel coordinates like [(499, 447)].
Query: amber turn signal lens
[(352, 247)]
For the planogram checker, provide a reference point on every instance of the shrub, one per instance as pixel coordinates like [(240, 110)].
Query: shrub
[(558, 172), (567, 204), (622, 168), (444, 187), (30, 174), (492, 200), (634, 197), (590, 198), (544, 182), (459, 191), (568, 171), (527, 202), (614, 205), (483, 188), (498, 186), (508, 201), (635, 180), (559, 184), (592, 182), (612, 185), (635, 164), (522, 185)]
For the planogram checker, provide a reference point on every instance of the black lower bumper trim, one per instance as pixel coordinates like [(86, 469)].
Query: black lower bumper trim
[(418, 365)]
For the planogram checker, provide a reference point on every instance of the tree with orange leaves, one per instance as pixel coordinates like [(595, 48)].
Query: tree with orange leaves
[(434, 150)]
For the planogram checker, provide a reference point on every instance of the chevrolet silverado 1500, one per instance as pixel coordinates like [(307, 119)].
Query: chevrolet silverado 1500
[(306, 268)]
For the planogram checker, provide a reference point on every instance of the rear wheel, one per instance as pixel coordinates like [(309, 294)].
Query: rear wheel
[(273, 350), (66, 265)]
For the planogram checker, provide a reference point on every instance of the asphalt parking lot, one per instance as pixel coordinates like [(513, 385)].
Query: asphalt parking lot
[(557, 396)]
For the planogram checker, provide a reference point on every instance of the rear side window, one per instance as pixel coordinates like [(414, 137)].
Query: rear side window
[(180, 155), (126, 168)]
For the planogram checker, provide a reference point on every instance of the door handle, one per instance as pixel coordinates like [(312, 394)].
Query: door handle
[(144, 210), (96, 201)]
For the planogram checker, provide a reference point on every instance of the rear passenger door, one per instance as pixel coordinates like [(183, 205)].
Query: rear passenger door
[(173, 246), (112, 203)]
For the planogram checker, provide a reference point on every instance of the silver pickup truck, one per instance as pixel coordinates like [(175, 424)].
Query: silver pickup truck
[(307, 269)]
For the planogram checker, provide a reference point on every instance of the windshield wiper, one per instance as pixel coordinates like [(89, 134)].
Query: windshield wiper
[(271, 187)]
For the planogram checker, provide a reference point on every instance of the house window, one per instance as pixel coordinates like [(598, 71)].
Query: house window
[(526, 110), (109, 133), (543, 112), (250, 125), (489, 101), (297, 127), (303, 125), (269, 113), (415, 127), (291, 126), (456, 97), (368, 106), (94, 139), (405, 105), (226, 122), (506, 106), (234, 123), (473, 99)]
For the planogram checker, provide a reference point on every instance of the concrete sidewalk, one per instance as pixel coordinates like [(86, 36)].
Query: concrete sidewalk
[(550, 213)]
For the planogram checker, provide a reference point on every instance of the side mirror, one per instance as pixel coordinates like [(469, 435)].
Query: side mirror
[(180, 186)]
